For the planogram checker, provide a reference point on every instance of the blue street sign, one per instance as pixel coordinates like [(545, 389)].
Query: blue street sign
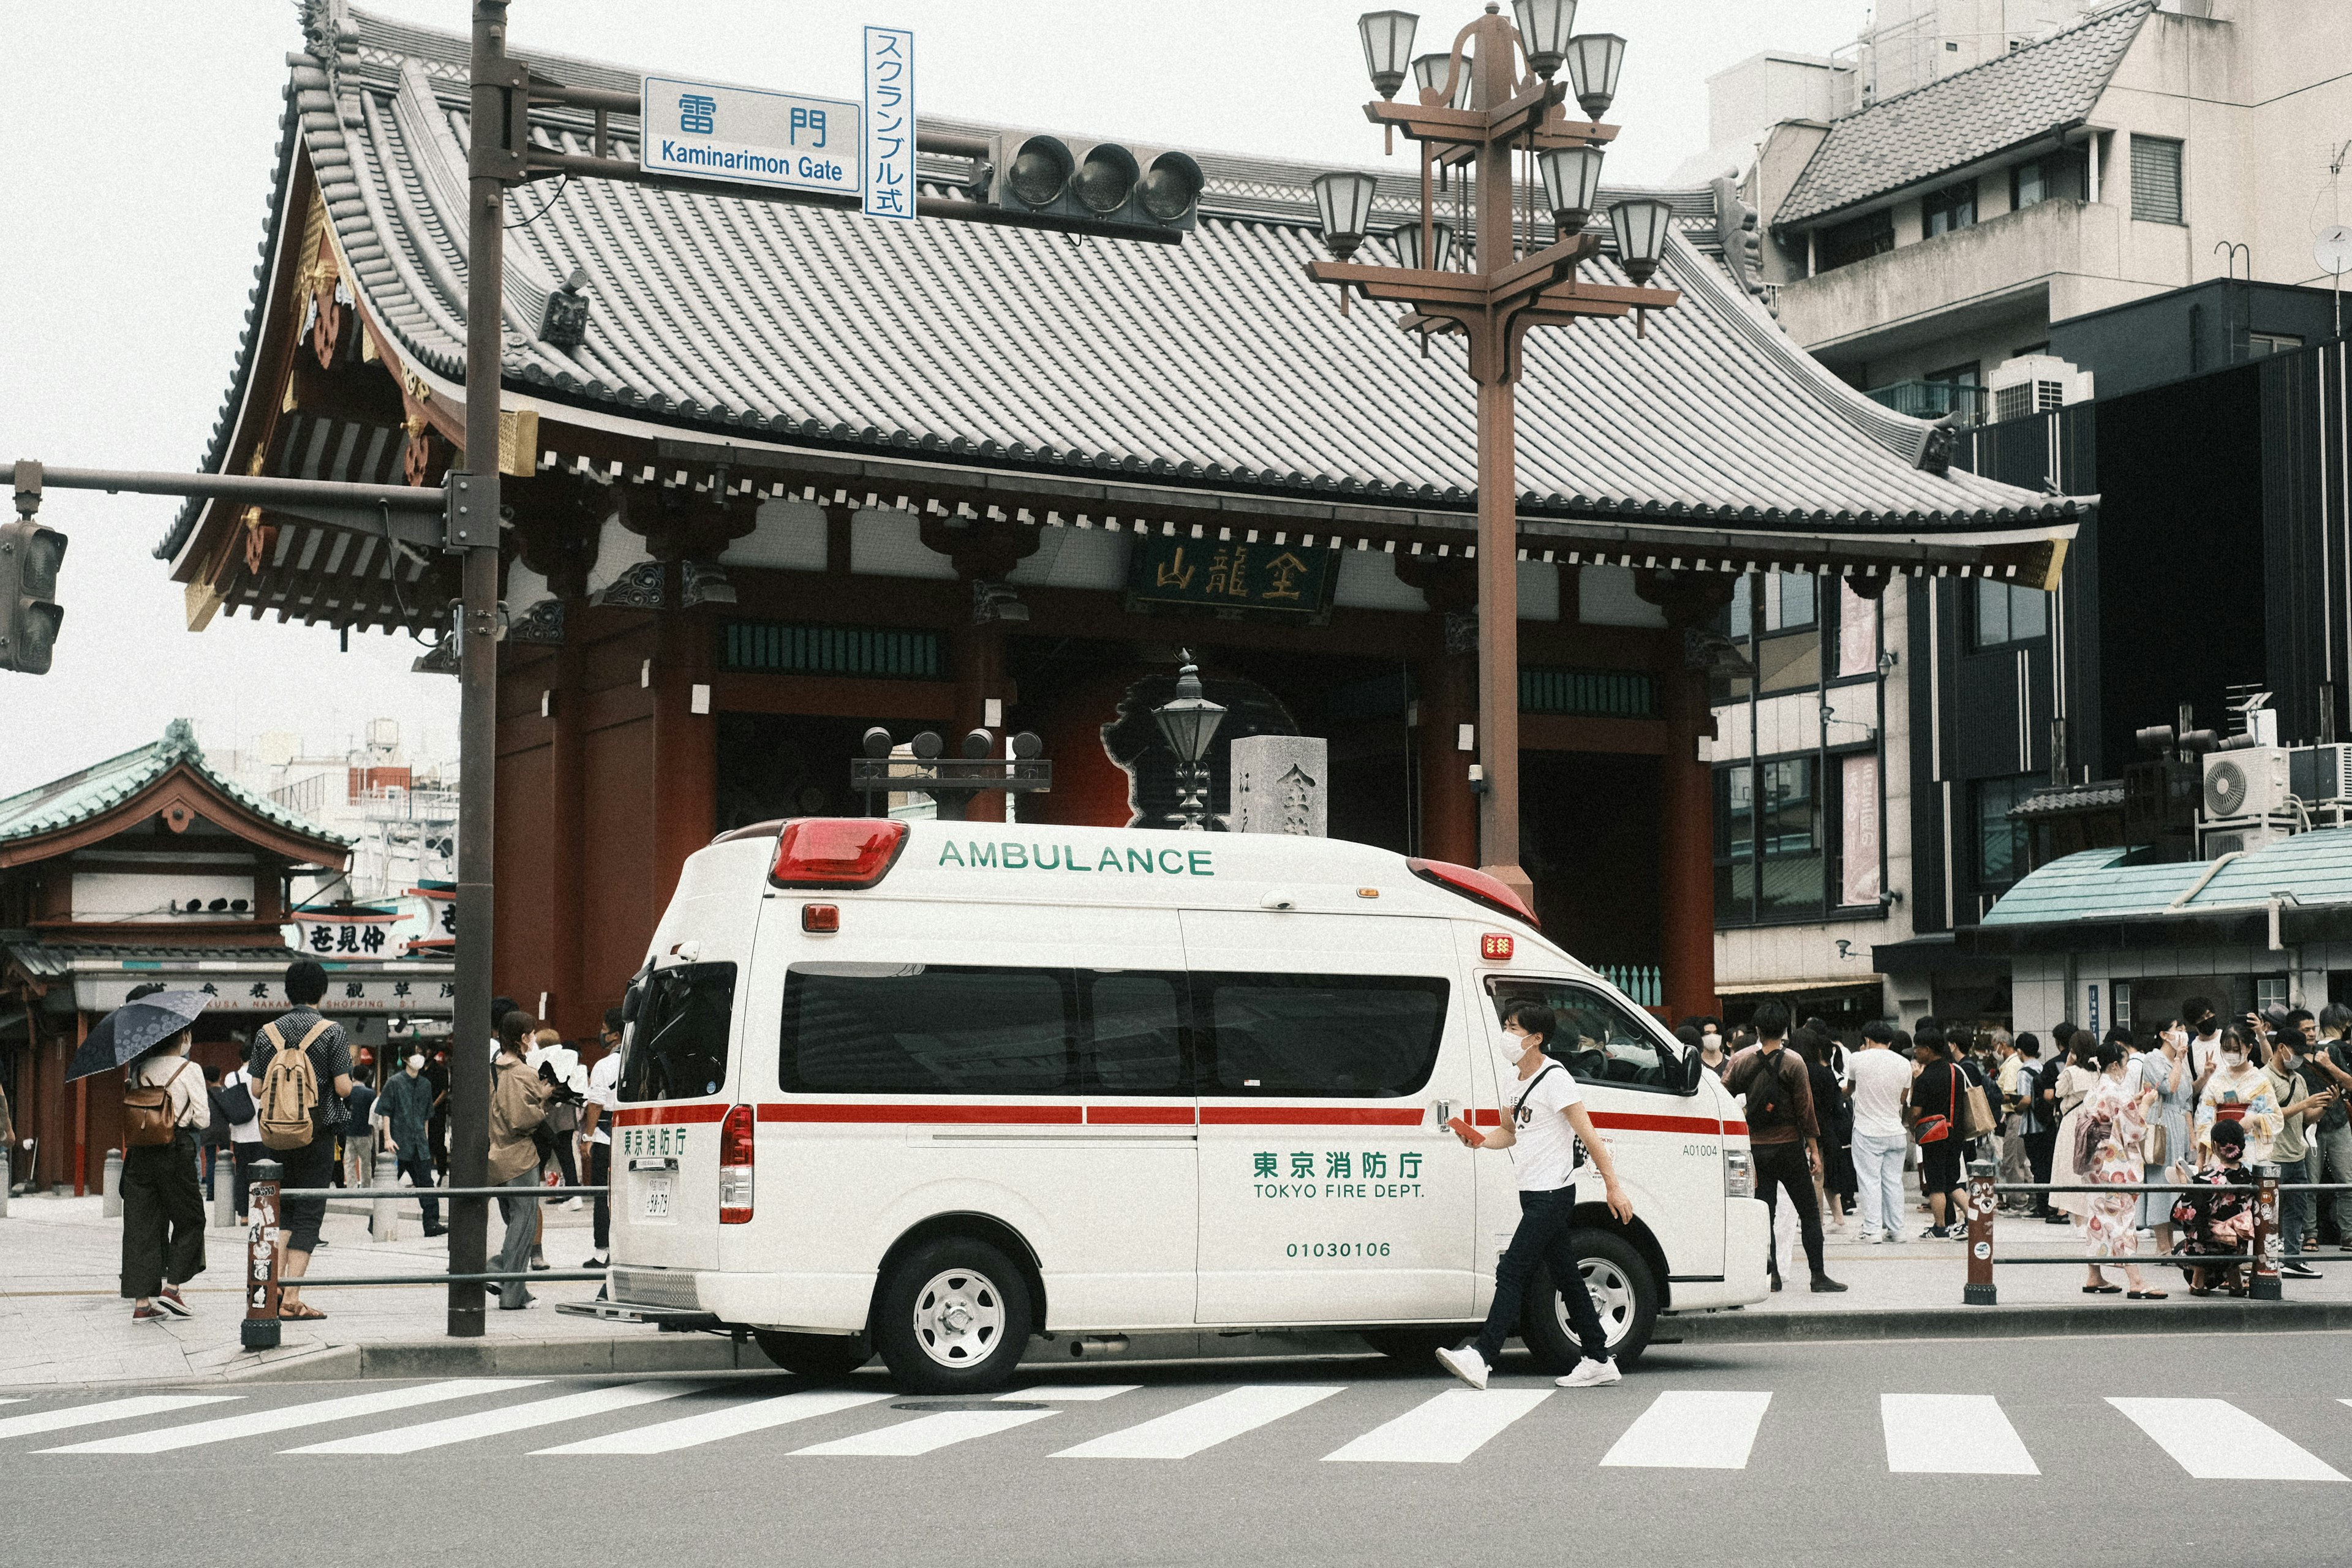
[(716, 132), (889, 122)]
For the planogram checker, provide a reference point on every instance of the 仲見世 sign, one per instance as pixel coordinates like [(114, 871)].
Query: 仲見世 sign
[(760, 137)]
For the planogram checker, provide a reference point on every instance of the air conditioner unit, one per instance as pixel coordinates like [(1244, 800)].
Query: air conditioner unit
[(2247, 781), (2036, 383), (2320, 775), (2241, 838)]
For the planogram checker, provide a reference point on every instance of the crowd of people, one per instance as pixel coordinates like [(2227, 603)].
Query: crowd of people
[(548, 1122), (2192, 1102)]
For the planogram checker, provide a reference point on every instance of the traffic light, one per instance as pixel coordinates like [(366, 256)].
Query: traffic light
[(1150, 188), (29, 556)]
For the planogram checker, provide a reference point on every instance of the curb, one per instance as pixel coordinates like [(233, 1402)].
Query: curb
[(2005, 1322)]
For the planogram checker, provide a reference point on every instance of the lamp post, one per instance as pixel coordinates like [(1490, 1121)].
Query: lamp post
[(1187, 723), (1475, 109)]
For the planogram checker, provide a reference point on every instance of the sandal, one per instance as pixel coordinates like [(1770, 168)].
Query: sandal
[(2144, 1295), (300, 1312), (2100, 1289)]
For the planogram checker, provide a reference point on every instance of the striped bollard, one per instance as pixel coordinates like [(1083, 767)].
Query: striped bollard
[(1983, 1196), (259, 1331), (2269, 1246)]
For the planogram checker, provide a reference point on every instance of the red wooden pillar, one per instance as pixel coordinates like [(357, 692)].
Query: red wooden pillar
[(1686, 845), (1445, 688), (685, 805), (572, 1011)]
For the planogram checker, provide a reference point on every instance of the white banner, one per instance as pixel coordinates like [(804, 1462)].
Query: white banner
[(1858, 792)]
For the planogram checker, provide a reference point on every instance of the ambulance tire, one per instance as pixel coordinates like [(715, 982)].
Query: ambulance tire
[(827, 1358), (954, 1318), (1615, 1269)]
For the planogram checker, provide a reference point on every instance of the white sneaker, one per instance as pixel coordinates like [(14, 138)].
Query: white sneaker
[(1894, 1234), (1590, 1373), (572, 1204), (1872, 1238), (1465, 1363)]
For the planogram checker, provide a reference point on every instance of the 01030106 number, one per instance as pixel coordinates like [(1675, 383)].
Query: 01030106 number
[(1336, 1249)]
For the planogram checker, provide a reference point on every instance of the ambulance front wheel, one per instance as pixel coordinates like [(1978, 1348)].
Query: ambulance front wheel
[(826, 1357), (955, 1317), (1624, 1295)]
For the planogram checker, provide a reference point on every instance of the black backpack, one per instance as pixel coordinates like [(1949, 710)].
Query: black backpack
[(1768, 1096)]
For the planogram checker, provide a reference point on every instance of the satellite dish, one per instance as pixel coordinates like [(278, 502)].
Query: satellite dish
[(2333, 249)]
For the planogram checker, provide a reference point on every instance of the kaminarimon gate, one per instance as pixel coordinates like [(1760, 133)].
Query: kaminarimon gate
[(803, 473)]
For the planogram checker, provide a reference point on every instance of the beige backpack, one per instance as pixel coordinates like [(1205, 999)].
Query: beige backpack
[(288, 1091)]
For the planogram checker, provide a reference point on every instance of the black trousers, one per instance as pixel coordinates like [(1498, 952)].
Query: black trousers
[(599, 1173), (162, 1216), (1782, 1166), (1543, 1237), (2040, 1149), (418, 1168)]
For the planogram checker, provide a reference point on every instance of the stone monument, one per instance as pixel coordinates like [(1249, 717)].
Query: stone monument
[(1281, 784)]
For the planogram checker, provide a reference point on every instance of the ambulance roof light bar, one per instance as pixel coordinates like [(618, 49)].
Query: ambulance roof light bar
[(1475, 885), (836, 851)]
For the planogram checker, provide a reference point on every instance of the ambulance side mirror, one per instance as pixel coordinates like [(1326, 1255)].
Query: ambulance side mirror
[(1693, 1071)]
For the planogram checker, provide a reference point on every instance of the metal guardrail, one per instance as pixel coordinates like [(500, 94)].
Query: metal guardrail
[(2268, 1248)]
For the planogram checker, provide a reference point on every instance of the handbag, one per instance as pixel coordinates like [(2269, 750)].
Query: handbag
[(1936, 1129), (147, 1118), (1979, 1119), (234, 1101)]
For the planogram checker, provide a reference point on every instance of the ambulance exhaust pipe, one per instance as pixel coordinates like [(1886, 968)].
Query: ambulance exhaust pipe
[(1098, 1345)]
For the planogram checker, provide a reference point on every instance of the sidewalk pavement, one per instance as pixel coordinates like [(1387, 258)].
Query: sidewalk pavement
[(62, 1322)]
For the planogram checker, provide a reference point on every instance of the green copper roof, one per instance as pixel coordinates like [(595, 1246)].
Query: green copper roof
[(61, 803), (2312, 868)]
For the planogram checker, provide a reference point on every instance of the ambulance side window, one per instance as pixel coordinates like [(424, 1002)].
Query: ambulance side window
[(1598, 1040), (677, 1046), (930, 1028), (1135, 1034), (1333, 1037)]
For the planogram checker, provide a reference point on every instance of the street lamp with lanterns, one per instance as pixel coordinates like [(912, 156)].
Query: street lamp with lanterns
[(1188, 723), (1490, 98)]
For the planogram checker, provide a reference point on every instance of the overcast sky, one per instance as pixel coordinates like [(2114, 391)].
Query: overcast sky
[(136, 145)]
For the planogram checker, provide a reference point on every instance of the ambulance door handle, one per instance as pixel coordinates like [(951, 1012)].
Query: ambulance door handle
[(1444, 1112)]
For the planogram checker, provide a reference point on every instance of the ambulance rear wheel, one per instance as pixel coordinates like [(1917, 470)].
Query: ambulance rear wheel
[(826, 1357), (955, 1318), (1624, 1294)]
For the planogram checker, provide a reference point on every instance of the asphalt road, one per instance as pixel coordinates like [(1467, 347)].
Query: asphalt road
[(2085, 1451)]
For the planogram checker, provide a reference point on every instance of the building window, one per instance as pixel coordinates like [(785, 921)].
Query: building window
[(2121, 991), (2262, 345), (1734, 844), (2155, 179), (1841, 245), (1953, 207), (2008, 613), (2270, 991), (1955, 389), (1788, 649), (2029, 186), (1770, 848), (2001, 839)]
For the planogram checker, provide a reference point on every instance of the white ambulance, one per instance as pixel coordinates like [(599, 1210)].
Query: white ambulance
[(941, 1090)]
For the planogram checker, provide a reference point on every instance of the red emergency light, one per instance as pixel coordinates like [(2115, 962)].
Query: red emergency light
[(1494, 945), (836, 851), (1475, 885), (735, 1166), (821, 917)]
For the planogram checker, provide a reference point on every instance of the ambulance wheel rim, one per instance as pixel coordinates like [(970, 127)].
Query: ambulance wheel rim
[(1612, 1297), (958, 1317)]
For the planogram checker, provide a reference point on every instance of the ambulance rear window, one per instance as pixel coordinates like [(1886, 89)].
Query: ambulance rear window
[(1330, 1037), (930, 1028), (678, 1047)]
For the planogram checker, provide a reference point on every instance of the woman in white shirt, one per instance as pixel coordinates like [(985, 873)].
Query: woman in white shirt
[(162, 1207)]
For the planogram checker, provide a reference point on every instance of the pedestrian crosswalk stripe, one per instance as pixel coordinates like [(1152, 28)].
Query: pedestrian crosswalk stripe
[(2214, 1440), (1181, 1433), (109, 1410), (1444, 1430), (1692, 1431), (1951, 1435), (506, 1418), (255, 1423), (712, 1425), (1072, 1393), (925, 1433)]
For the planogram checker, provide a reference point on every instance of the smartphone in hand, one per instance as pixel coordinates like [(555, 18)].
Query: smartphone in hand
[(1462, 1128)]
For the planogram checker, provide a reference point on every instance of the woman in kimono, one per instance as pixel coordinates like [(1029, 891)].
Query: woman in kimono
[(2112, 1131)]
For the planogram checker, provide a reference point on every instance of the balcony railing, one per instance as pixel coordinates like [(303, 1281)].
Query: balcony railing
[(1645, 985), (1935, 399)]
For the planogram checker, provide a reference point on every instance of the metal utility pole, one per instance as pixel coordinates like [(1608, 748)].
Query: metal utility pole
[(492, 158)]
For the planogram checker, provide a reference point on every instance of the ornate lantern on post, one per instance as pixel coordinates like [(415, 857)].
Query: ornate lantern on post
[(1188, 723), (1475, 109)]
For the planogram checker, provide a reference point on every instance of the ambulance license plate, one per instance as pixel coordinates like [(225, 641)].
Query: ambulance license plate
[(653, 1199)]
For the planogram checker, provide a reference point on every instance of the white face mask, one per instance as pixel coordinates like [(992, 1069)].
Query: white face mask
[(416, 1064), (1511, 1048), (2234, 1058)]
